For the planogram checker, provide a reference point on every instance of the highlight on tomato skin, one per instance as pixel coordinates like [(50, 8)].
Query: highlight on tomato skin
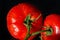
[(51, 21), (16, 17)]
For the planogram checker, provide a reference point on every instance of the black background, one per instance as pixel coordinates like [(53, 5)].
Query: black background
[(45, 6)]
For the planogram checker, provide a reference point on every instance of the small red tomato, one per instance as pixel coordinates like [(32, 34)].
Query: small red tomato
[(52, 24), (16, 17)]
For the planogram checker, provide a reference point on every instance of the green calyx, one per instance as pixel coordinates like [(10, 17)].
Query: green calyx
[(28, 20), (27, 23), (49, 32)]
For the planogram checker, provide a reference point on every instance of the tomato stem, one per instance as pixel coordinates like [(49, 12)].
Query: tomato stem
[(28, 33), (27, 23), (48, 30), (38, 32)]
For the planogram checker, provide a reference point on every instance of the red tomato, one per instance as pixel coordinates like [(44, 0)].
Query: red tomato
[(52, 22), (16, 17)]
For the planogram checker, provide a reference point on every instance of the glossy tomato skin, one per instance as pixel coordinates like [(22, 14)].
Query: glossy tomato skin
[(16, 17), (52, 20)]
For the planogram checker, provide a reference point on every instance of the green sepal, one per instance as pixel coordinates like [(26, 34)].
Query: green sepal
[(49, 32), (27, 23)]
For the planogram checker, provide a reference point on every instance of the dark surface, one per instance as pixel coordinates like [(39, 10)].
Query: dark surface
[(46, 7)]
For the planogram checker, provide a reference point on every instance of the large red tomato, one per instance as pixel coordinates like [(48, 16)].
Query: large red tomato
[(20, 13), (52, 24)]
